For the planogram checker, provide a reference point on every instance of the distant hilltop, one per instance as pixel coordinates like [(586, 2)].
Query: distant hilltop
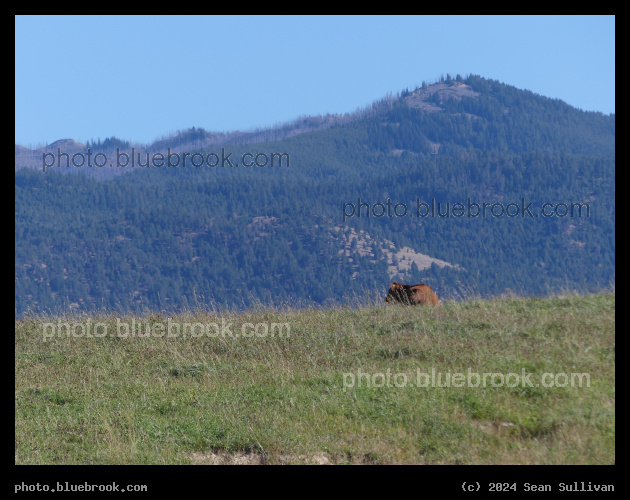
[(440, 97), (192, 139), (196, 138)]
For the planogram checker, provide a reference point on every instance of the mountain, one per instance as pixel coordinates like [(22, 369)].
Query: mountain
[(450, 184), (193, 139)]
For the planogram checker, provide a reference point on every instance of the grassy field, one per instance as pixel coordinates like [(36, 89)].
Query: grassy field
[(338, 386)]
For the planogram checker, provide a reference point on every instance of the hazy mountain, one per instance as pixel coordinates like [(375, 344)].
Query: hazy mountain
[(193, 139), (300, 231)]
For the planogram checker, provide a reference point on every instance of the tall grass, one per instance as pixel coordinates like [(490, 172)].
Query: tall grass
[(148, 399)]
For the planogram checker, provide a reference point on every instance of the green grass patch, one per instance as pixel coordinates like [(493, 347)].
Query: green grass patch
[(327, 390)]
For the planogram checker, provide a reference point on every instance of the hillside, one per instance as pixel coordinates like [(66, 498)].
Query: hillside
[(371, 385), (193, 139), (167, 238)]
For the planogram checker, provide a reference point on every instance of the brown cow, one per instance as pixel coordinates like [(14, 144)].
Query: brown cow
[(412, 294)]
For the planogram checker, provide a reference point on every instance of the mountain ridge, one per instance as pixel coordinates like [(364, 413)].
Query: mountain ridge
[(160, 237), (429, 98)]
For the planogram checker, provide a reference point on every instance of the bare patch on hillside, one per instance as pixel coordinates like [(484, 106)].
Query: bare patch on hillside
[(424, 98), (399, 261)]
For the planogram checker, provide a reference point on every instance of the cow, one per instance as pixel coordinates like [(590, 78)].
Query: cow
[(412, 294)]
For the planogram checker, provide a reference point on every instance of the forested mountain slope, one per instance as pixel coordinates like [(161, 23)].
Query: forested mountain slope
[(171, 237)]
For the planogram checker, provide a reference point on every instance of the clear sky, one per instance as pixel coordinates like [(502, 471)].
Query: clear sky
[(143, 77)]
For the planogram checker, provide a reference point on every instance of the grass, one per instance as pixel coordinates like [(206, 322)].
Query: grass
[(300, 397)]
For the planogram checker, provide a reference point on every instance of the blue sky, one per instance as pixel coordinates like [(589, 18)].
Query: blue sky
[(142, 77)]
